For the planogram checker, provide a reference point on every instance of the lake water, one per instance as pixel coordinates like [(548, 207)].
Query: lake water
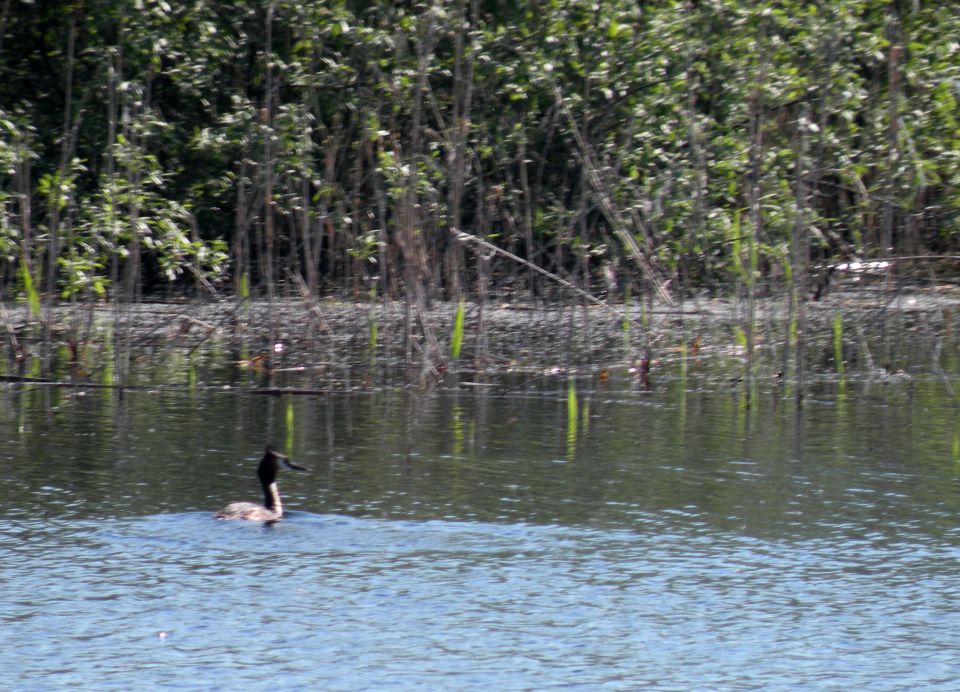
[(479, 538)]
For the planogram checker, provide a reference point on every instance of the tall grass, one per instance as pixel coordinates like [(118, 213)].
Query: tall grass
[(33, 296), (838, 343), (838, 350), (572, 418), (108, 355), (373, 327), (289, 425), (456, 341), (572, 405)]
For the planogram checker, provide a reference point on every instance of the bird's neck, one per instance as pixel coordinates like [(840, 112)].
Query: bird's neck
[(271, 498)]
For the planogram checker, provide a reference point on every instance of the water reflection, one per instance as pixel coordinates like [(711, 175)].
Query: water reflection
[(678, 538)]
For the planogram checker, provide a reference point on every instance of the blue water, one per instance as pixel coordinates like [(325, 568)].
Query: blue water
[(712, 550), (339, 603)]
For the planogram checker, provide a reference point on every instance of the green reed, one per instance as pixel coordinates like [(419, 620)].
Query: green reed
[(456, 342), (33, 296), (838, 343)]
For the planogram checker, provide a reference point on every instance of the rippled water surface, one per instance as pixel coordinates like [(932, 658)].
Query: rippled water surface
[(673, 539)]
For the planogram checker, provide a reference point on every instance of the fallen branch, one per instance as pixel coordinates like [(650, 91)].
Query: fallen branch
[(550, 275)]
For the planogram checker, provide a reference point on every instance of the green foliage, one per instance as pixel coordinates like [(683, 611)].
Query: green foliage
[(386, 111)]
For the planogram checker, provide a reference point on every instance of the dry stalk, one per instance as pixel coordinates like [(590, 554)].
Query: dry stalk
[(553, 277), (609, 209)]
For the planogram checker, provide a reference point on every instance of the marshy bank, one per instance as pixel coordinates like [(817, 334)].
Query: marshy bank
[(858, 331)]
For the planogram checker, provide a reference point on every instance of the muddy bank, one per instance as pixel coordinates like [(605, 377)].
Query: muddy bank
[(385, 342)]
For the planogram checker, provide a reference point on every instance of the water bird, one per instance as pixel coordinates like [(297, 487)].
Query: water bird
[(272, 509)]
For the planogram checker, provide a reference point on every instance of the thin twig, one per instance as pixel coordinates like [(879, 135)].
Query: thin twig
[(550, 275), (608, 207)]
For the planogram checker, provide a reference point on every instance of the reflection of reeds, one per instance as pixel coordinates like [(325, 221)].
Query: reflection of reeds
[(683, 362), (457, 430)]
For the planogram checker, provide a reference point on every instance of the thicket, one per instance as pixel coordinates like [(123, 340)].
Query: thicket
[(368, 147)]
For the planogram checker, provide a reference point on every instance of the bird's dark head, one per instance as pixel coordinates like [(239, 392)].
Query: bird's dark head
[(267, 471)]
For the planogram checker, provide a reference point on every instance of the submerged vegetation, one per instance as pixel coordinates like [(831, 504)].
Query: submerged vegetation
[(570, 151)]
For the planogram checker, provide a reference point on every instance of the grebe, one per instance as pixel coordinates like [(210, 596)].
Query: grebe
[(271, 510)]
